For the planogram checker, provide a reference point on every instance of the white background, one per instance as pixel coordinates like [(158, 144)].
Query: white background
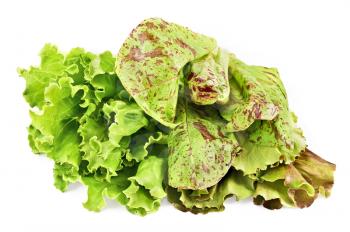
[(307, 40)]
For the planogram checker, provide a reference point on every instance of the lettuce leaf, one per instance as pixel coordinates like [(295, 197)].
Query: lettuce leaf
[(258, 113), (296, 184), (171, 115), (256, 94), (85, 121), (150, 61), (212, 199), (200, 154), (208, 79)]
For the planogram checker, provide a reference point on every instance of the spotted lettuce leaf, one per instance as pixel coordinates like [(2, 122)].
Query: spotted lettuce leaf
[(150, 62), (200, 153)]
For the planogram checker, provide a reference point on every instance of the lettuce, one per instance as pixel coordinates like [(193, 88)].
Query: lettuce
[(85, 121), (199, 153), (296, 184), (171, 115)]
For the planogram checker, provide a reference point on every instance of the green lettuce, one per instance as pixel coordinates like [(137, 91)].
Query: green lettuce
[(86, 122), (234, 184), (200, 154), (259, 115), (171, 115), (150, 61)]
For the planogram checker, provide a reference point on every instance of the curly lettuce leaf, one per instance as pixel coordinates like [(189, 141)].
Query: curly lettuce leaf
[(146, 189), (141, 144), (320, 172), (85, 121), (296, 184), (99, 189), (150, 174), (200, 154), (212, 199), (268, 143), (64, 174), (150, 61), (139, 188), (56, 123), (38, 78), (128, 119)]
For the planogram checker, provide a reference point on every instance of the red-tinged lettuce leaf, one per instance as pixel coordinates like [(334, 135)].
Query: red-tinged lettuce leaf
[(212, 199), (200, 154), (256, 93), (207, 80), (319, 172), (296, 184), (258, 112), (150, 61)]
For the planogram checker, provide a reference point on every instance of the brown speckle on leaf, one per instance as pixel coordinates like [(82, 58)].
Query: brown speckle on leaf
[(250, 85), (205, 95), (220, 133), (206, 89), (137, 55), (205, 168), (144, 36), (204, 131), (159, 61), (193, 179), (151, 25), (156, 52), (185, 46), (190, 76), (257, 111)]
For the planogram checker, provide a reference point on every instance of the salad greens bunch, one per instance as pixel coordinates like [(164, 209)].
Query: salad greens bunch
[(171, 115)]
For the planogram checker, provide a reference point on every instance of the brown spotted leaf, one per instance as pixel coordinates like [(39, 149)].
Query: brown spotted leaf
[(150, 63), (208, 79), (256, 94), (200, 154), (258, 112)]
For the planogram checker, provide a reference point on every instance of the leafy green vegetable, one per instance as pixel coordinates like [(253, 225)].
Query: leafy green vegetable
[(199, 153), (150, 61), (208, 80), (85, 121), (258, 112), (171, 115), (295, 184), (212, 199)]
